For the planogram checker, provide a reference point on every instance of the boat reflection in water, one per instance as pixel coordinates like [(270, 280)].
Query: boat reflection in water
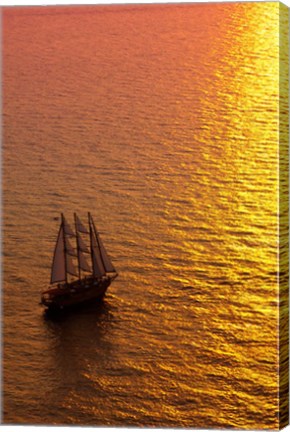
[(82, 273)]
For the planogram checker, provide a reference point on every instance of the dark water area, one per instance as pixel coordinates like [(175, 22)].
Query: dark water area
[(161, 121)]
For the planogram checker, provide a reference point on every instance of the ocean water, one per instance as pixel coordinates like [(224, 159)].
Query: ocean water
[(161, 120)]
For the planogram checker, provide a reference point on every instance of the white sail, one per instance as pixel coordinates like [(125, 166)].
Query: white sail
[(70, 266), (98, 268), (107, 263), (58, 264), (69, 248), (106, 259), (80, 227), (67, 228), (82, 246), (83, 263)]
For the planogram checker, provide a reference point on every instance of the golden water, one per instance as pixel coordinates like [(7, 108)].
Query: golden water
[(162, 121)]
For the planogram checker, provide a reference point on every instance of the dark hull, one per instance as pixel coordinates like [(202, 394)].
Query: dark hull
[(75, 293)]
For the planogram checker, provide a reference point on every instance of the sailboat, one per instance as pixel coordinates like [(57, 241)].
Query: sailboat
[(81, 268)]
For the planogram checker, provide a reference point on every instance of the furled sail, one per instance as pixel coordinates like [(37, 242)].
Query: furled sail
[(80, 227), (58, 265)]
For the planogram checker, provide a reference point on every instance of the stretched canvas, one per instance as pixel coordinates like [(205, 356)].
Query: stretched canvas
[(168, 123)]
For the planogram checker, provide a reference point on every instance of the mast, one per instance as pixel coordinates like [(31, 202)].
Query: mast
[(64, 247), (78, 247)]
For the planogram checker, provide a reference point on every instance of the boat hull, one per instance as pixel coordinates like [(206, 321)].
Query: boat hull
[(75, 293)]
